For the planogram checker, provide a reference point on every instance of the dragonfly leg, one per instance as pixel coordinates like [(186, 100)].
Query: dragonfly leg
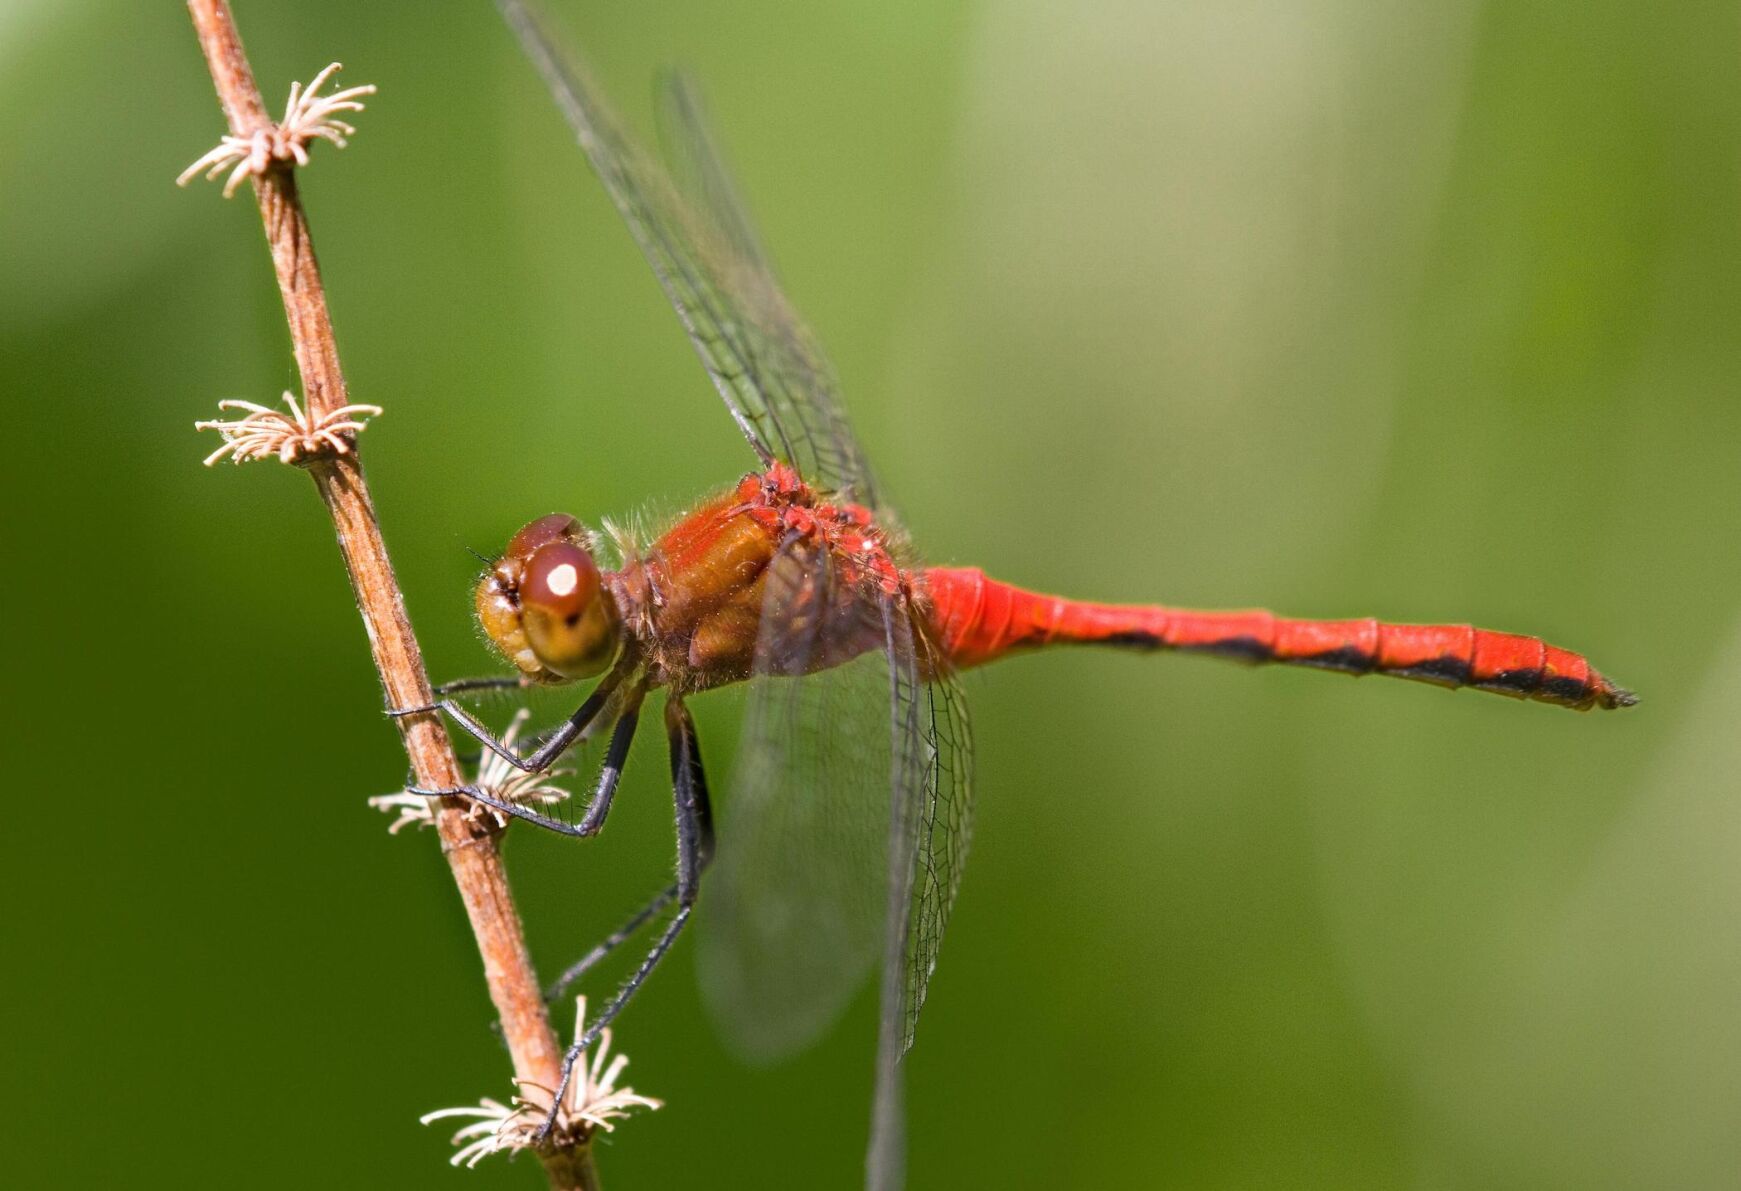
[(610, 943), (622, 736), (534, 740), (660, 900), (616, 756), (460, 686), (546, 753), (694, 815), (514, 809)]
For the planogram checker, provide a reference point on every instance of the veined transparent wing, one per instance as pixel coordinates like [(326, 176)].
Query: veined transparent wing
[(764, 362), (930, 828), (934, 800), (847, 827), (793, 913)]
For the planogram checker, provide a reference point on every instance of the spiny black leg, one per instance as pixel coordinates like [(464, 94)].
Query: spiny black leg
[(535, 740), (680, 727), (545, 754), (665, 897), (704, 816), (460, 686), (553, 747), (694, 850), (610, 943), (615, 757), (518, 811), (621, 738)]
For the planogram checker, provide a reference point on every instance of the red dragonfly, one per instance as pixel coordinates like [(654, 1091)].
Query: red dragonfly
[(852, 804)]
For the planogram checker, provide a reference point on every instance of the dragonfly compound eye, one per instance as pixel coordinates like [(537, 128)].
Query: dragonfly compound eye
[(556, 527), (543, 605), (569, 619)]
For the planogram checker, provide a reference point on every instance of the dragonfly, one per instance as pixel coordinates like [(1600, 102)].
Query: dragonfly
[(851, 803)]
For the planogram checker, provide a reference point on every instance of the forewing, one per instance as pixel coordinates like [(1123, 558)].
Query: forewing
[(698, 165), (794, 909), (764, 362)]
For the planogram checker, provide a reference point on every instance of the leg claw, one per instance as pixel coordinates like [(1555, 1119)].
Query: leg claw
[(454, 792)]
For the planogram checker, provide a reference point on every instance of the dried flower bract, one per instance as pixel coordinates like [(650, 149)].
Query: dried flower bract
[(308, 115), (292, 437), (593, 1102)]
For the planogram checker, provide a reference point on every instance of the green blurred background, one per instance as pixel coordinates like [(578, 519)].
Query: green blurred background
[(1337, 307)]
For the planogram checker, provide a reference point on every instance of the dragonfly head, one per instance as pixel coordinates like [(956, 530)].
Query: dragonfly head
[(545, 606)]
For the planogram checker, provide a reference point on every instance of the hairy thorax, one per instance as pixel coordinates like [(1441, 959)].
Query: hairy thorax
[(768, 561)]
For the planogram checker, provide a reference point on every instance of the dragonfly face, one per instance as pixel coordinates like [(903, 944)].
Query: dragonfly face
[(545, 607)]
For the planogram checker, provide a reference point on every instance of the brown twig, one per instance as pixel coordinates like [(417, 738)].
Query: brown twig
[(470, 846)]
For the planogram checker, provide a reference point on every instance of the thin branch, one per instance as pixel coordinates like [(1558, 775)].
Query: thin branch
[(468, 842)]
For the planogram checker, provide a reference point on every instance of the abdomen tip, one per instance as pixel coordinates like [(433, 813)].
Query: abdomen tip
[(1618, 696)]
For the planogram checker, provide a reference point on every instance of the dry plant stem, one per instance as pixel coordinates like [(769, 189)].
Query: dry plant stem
[(470, 847)]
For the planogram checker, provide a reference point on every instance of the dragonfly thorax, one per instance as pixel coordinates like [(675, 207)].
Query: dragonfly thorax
[(715, 598)]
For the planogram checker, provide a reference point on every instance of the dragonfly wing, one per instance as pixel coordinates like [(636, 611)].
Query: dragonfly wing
[(764, 362), (930, 828), (794, 379), (849, 818), (698, 165), (939, 818), (794, 909)]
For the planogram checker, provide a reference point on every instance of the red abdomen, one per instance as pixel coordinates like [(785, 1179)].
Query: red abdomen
[(978, 619)]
